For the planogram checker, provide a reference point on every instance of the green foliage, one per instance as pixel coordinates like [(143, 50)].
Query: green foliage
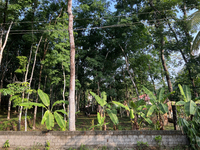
[(106, 107), (49, 116), (158, 139), (190, 127), (47, 146), (142, 145), (6, 144)]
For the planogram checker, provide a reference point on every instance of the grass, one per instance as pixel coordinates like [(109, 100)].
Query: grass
[(83, 123)]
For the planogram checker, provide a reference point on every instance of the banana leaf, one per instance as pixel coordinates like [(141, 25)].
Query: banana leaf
[(121, 105), (161, 94), (182, 92), (149, 93), (44, 97), (190, 107), (60, 121), (163, 108), (187, 92), (151, 110), (132, 116), (113, 116), (101, 102), (180, 103)]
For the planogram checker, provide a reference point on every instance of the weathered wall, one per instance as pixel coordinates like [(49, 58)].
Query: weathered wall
[(64, 140)]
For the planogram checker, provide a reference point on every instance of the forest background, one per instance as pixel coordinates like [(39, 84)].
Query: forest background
[(117, 51)]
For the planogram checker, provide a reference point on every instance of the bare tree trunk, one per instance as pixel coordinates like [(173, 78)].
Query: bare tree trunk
[(5, 41), (72, 126), (64, 92), (9, 108)]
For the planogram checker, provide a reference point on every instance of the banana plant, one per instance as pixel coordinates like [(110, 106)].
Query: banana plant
[(190, 127), (158, 107), (49, 115), (135, 109), (100, 120), (189, 105), (106, 109)]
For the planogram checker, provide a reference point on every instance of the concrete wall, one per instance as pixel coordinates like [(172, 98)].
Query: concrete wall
[(65, 139)]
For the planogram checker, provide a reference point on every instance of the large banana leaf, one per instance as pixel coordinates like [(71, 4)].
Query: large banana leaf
[(44, 118), (44, 97), (161, 94), (50, 120), (113, 116), (99, 118), (151, 110), (163, 108), (104, 97), (145, 118), (149, 93), (121, 105), (180, 103), (101, 102), (182, 92), (60, 121), (187, 92), (132, 116), (30, 104), (190, 107)]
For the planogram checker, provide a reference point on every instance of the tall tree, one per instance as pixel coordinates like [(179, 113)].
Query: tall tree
[(72, 105)]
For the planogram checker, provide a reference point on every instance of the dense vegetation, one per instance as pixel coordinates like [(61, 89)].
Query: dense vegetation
[(134, 48)]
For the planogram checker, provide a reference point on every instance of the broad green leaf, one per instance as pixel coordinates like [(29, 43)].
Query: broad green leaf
[(182, 92), (197, 102), (132, 116), (98, 99), (145, 118), (149, 93), (60, 121), (180, 103), (99, 118), (29, 104), (44, 97), (104, 98), (198, 140), (113, 116), (190, 107), (50, 120), (187, 92), (151, 110), (161, 94), (62, 111), (121, 105), (132, 105), (163, 108), (44, 118)]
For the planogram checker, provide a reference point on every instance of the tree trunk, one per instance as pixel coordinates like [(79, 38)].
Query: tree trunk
[(5, 41), (165, 66), (72, 71), (9, 108), (64, 92)]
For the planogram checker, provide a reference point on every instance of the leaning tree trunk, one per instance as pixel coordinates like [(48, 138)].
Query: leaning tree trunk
[(165, 66), (72, 71)]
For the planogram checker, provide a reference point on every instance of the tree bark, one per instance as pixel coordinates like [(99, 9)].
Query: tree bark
[(72, 71), (64, 85), (165, 66), (5, 41)]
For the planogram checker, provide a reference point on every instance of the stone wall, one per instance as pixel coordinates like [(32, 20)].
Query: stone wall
[(65, 139)]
